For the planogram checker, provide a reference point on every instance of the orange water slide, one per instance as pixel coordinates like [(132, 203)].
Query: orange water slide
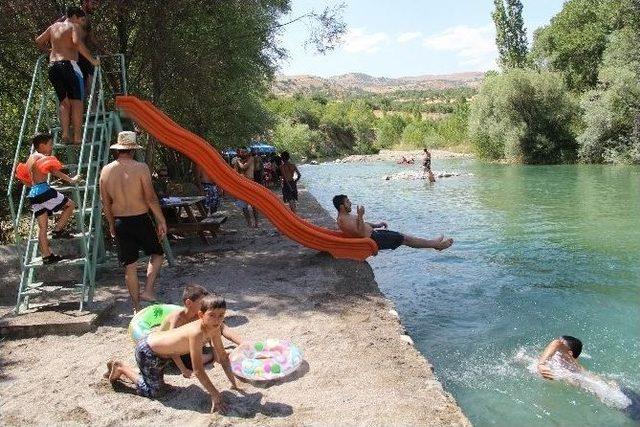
[(200, 152)]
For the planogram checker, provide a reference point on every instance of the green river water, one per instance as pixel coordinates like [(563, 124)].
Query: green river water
[(540, 251)]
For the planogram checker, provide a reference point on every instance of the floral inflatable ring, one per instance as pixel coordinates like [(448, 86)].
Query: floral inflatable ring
[(265, 360)]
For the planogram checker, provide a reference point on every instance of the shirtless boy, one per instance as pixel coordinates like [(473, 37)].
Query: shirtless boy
[(192, 299), (45, 200), (127, 196), (290, 177), (154, 351), (564, 351), (66, 40), (355, 226)]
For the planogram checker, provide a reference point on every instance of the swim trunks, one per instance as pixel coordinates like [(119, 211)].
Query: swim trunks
[(66, 78), (289, 191), (46, 200), (151, 368), (186, 358), (85, 66), (213, 196), (387, 239), (134, 233), (427, 165)]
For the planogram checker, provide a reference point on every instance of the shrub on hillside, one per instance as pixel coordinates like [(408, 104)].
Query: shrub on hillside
[(524, 116)]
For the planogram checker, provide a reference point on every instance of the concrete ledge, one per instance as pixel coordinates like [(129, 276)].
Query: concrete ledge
[(61, 319)]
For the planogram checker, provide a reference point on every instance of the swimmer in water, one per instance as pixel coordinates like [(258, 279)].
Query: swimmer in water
[(559, 361), (563, 351)]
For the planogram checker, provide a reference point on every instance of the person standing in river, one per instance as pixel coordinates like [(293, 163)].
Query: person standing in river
[(426, 165)]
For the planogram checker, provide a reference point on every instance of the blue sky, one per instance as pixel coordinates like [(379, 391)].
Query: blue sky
[(405, 38)]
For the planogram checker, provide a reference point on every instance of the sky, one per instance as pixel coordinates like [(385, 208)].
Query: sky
[(405, 37)]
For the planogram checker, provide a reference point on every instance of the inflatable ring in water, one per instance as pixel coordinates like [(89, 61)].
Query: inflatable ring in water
[(149, 318), (265, 360)]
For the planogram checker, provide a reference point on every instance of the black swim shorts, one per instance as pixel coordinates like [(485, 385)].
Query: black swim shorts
[(66, 78), (86, 67), (387, 239), (289, 191), (134, 233)]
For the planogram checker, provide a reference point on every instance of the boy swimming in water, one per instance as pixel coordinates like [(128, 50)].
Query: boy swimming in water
[(562, 352), (156, 349), (192, 299)]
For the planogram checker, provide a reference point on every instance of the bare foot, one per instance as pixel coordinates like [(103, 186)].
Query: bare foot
[(148, 297), (444, 244), (115, 373)]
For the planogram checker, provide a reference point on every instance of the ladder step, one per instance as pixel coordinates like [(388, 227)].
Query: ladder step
[(39, 288), (87, 211), (76, 146), (76, 236), (73, 187), (37, 263), (74, 166)]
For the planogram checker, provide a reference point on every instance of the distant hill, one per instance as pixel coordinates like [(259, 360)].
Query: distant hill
[(354, 82)]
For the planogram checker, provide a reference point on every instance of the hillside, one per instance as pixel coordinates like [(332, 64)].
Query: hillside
[(360, 82)]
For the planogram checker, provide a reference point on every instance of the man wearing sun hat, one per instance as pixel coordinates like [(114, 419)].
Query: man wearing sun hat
[(127, 196)]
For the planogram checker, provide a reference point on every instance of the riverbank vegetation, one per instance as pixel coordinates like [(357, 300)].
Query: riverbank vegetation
[(574, 96)]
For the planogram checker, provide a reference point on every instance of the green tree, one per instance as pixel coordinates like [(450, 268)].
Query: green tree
[(524, 116), (388, 130), (612, 110), (575, 39), (511, 36)]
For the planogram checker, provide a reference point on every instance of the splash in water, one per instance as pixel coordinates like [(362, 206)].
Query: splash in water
[(609, 392)]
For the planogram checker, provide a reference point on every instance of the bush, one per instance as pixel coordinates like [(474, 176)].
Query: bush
[(524, 116), (297, 139), (388, 130), (612, 111)]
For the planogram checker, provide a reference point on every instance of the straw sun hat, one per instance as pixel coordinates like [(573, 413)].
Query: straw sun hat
[(126, 141)]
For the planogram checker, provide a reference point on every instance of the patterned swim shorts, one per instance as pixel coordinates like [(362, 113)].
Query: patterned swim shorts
[(151, 370)]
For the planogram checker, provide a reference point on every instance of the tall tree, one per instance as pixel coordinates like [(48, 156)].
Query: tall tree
[(511, 36)]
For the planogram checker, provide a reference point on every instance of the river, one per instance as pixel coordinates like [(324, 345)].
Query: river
[(540, 251)]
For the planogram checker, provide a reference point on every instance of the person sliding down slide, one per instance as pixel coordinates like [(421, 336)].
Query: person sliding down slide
[(355, 226)]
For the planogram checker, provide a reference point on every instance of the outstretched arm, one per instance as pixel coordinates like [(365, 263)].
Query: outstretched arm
[(229, 334), (77, 36), (223, 358), (548, 352)]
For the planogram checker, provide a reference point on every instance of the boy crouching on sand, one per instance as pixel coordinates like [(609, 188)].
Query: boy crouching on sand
[(192, 299), (154, 351)]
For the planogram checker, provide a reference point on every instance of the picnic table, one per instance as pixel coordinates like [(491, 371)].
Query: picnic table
[(185, 218)]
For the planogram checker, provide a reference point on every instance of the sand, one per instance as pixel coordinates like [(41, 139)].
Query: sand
[(358, 369)]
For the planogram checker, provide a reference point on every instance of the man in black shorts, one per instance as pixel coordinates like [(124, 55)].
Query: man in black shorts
[(127, 196), (66, 41), (355, 226)]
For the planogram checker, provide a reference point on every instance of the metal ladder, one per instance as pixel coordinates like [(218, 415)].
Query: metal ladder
[(86, 159)]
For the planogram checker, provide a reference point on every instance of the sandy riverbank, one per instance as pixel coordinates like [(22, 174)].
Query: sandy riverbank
[(396, 155), (357, 370)]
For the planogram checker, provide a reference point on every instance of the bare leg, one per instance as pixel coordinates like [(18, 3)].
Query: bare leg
[(76, 118), (65, 119), (116, 369), (66, 215), (153, 268), (418, 242), (255, 217), (131, 279), (43, 225), (247, 216)]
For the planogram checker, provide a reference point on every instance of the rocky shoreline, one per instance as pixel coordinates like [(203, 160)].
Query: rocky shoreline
[(360, 367), (397, 155)]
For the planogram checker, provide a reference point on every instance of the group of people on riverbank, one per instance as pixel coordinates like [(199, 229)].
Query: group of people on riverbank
[(136, 222)]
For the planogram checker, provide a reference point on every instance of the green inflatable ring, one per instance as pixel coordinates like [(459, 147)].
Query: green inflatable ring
[(148, 318)]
